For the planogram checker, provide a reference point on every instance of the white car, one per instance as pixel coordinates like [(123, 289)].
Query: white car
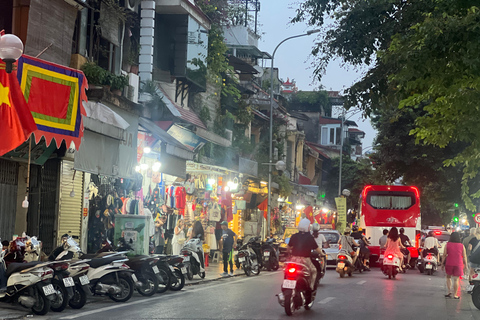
[(332, 237)]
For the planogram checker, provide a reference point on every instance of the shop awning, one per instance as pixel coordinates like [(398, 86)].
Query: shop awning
[(109, 145), (174, 147)]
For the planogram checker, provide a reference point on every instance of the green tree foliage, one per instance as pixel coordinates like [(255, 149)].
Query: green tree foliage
[(310, 101), (355, 175), (423, 57)]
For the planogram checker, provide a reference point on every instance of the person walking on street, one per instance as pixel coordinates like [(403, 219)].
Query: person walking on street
[(467, 239), (229, 241), (159, 234), (455, 263), (474, 248), (178, 238)]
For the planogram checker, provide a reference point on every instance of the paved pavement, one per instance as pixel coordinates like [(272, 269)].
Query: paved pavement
[(364, 296)]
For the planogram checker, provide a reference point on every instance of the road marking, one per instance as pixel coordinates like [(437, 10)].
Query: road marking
[(326, 300), (151, 299), (361, 282)]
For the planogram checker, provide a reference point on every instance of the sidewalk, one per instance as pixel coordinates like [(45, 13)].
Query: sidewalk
[(212, 273)]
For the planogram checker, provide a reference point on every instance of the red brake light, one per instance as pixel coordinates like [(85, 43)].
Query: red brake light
[(342, 257), (291, 270), (390, 256), (475, 276), (85, 268), (61, 267), (438, 233), (125, 266)]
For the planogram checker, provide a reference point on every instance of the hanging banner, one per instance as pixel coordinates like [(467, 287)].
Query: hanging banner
[(54, 95), (341, 213), (16, 123)]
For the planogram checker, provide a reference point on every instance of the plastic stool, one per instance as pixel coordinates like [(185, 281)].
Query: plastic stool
[(216, 257), (206, 259)]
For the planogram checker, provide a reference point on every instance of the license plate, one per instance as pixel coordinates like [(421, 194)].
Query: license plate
[(134, 278), (155, 269), (469, 287), (171, 268), (68, 282), (84, 280), (184, 270), (428, 266), (48, 290), (186, 258), (341, 265), (289, 284), (266, 253), (242, 259)]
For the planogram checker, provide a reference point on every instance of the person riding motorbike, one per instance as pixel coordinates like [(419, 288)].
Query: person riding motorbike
[(347, 243), (406, 242), (364, 243), (320, 240), (394, 244), (431, 245), (300, 247)]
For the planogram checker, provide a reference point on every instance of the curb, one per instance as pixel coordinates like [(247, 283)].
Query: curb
[(211, 280)]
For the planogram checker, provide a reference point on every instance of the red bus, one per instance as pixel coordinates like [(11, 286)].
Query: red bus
[(383, 207)]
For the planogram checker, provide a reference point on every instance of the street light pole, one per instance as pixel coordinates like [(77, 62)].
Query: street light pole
[(341, 153), (271, 126)]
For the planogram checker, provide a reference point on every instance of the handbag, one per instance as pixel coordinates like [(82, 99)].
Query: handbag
[(215, 213)]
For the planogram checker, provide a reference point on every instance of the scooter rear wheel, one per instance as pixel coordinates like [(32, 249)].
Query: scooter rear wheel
[(149, 284), (163, 285), (61, 297), (179, 281), (289, 303), (79, 298), (342, 273), (126, 284), (42, 304)]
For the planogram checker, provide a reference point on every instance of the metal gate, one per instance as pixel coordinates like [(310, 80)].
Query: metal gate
[(48, 204), (8, 198)]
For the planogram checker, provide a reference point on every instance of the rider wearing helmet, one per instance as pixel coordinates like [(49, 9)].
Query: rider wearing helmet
[(301, 245), (431, 245), (320, 240)]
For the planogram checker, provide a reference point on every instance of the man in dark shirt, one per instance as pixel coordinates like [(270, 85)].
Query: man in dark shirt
[(301, 245), (229, 241), (405, 240)]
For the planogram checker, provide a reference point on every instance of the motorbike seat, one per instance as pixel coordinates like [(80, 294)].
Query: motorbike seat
[(19, 266), (95, 263)]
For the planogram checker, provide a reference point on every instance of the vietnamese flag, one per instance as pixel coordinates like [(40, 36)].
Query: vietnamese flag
[(309, 213), (16, 121)]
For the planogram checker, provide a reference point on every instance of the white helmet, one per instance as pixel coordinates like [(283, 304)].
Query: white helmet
[(304, 225), (315, 227)]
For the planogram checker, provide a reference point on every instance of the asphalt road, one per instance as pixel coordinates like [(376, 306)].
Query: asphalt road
[(364, 296)]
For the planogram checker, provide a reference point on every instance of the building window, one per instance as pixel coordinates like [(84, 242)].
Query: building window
[(332, 135), (324, 136), (338, 136)]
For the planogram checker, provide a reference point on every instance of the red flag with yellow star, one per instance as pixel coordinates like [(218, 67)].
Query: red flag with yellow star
[(16, 120)]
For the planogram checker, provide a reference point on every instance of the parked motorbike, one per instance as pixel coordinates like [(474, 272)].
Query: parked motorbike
[(77, 269), (344, 264), (112, 277), (28, 284), (270, 255), (296, 291), (249, 259), (179, 271), (391, 265), (192, 251)]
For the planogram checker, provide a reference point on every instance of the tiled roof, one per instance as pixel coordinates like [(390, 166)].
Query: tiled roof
[(355, 130), (316, 148), (324, 120)]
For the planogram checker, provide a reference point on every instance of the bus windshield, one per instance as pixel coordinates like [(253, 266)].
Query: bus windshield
[(392, 202)]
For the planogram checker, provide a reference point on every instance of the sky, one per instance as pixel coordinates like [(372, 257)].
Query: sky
[(294, 61)]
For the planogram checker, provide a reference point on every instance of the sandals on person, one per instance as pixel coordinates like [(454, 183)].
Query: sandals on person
[(456, 297), (448, 295)]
